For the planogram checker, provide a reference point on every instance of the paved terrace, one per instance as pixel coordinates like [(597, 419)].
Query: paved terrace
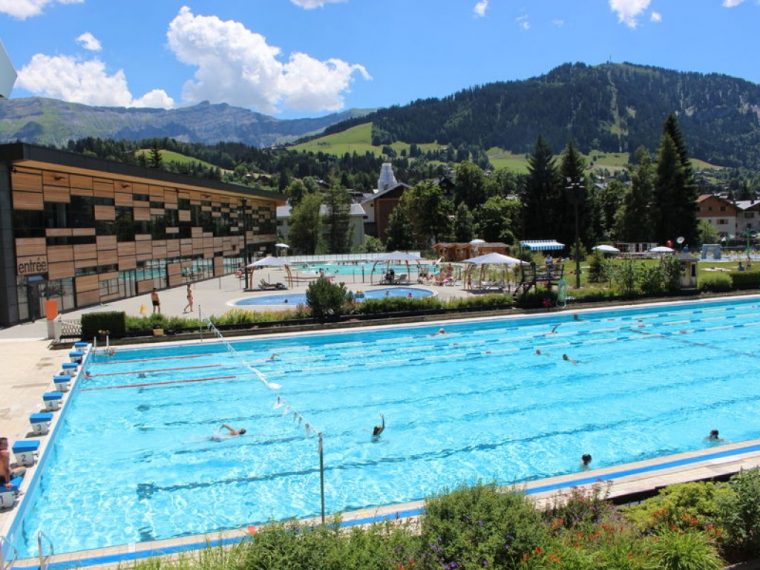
[(29, 366)]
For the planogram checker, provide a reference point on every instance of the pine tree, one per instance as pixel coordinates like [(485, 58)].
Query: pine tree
[(306, 225), (399, 234), (668, 189), (684, 198), (542, 192), (463, 223), (155, 156), (571, 172), (634, 220), (338, 204)]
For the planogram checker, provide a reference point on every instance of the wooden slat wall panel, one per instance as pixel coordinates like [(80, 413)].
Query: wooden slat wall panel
[(60, 270), (122, 186), (186, 247), (103, 188), (127, 262), (105, 213), (57, 194), (57, 232), (83, 231), (112, 297), (77, 181), (108, 257), (26, 182), (57, 253), (126, 248), (28, 200), (55, 178), (87, 283), (88, 298), (218, 266), (140, 189), (81, 192), (184, 215), (156, 194), (159, 252), (141, 214), (87, 252), (145, 286), (106, 242), (172, 247), (170, 197), (30, 246), (122, 199), (106, 276)]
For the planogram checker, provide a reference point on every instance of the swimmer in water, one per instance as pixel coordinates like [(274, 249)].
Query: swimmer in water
[(714, 436), (231, 432), (554, 329), (566, 358), (272, 357), (379, 429), (585, 461)]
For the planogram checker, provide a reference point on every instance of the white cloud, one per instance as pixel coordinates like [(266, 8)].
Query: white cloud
[(480, 8), (629, 10), (523, 22), (23, 9), (655, 17), (89, 42), (558, 22), (311, 4), (238, 66), (731, 3), (65, 77)]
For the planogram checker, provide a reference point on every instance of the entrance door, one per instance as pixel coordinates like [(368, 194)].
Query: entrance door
[(35, 299)]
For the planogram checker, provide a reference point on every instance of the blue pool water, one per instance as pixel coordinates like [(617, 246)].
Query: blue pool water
[(134, 458), (300, 298), (364, 268)]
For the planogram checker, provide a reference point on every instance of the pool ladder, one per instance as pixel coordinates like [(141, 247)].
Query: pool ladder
[(44, 559), (12, 554)]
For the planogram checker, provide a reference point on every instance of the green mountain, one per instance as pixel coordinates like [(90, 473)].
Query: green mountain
[(49, 121), (609, 108)]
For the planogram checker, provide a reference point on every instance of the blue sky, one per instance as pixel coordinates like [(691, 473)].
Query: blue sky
[(292, 58)]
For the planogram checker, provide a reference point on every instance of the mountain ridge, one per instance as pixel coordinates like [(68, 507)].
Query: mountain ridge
[(42, 120)]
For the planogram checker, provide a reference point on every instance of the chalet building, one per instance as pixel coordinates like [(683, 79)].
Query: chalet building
[(722, 214), (83, 231), (748, 216), (379, 204), (459, 251)]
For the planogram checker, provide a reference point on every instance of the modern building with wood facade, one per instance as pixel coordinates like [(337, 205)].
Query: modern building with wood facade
[(83, 230)]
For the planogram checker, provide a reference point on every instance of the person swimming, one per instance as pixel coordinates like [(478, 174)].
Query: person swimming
[(566, 358), (231, 432), (272, 357), (585, 460), (714, 435), (554, 329), (377, 430)]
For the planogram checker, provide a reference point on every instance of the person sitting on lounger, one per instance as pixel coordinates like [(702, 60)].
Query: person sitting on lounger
[(377, 430), (7, 474)]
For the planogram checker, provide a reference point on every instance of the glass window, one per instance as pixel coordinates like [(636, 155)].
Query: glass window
[(28, 223), (125, 227), (82, 212), (56, 215)]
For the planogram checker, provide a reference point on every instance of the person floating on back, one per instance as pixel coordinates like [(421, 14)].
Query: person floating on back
[(377, 430), (585, 460)]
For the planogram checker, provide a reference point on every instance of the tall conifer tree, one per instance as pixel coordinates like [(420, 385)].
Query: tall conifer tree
[(542, 192)]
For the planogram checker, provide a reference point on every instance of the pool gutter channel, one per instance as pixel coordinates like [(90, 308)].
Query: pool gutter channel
[(620, 484)]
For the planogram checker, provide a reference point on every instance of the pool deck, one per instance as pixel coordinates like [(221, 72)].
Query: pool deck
[(29, 366)]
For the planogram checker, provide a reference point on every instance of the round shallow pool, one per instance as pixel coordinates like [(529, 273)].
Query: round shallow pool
[(300, 298)]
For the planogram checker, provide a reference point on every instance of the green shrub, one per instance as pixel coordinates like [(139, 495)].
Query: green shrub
[(478, 526), (673, 550), (489, 301), (537, 299), (583, 508), (685, 506), (112, 321), (326, 299), (650, 279), (397, 304), (715, 282), (745, 279), (624, 277), (671, 273), (740, 512), (600, 269)]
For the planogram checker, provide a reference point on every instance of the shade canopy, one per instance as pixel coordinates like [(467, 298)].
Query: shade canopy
[(269, 261), (542, 244), (606, 249), (282, 245), (477, 241), (494, 259), (661, 249)]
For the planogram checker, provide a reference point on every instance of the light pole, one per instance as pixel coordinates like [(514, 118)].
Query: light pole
[(245, 242), (575, 191)]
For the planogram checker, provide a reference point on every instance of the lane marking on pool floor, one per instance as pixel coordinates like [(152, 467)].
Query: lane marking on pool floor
[(159, 370), (131, 360), (164, 383)]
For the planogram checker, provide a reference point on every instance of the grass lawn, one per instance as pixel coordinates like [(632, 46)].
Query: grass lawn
[(171, 156)]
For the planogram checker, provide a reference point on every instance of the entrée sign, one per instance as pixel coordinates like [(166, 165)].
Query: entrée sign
[(32, 265)]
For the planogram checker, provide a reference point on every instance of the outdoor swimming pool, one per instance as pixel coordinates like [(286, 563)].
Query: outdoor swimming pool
[(300, 298), (134, 460), (364, 268)]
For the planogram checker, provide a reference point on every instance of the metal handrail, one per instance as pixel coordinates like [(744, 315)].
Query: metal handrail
[(7, 546), (44, 559)]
